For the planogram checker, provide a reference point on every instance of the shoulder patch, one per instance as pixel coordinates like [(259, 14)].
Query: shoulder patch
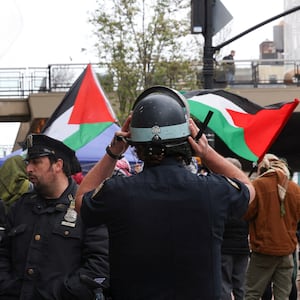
[(234, 184), (97, 190)]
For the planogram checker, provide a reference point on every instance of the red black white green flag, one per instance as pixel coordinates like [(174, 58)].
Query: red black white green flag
[(83, 114), (245, 127)]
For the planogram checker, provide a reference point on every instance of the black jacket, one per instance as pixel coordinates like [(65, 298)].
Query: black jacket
[(235, 238), (43, 255), (165, 229)]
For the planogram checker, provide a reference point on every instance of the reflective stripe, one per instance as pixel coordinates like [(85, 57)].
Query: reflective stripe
[(165, 132)]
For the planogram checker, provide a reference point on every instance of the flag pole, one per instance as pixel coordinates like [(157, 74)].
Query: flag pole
[(203, 126)]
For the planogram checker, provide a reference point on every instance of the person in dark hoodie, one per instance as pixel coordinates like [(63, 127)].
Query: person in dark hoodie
[(235, 254), (46, 249)]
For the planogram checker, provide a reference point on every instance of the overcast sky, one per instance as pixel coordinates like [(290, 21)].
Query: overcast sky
[(247, 14), (36, 33), (40, 32)]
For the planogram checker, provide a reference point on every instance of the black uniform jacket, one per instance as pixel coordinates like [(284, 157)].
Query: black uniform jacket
[(43, 255), (165, 231)]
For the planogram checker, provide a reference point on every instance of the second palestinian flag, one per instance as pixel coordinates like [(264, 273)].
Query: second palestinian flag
[(245, 127)]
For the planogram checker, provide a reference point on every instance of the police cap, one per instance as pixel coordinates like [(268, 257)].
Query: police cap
[(39, 145)]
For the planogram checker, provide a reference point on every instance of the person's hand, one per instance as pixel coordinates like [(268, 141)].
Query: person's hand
[(201, 146), (119, 142)]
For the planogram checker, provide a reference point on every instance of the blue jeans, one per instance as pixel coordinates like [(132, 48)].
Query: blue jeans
[(229, 77)]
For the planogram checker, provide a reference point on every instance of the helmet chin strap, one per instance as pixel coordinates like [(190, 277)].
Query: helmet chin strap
[(156, 150), (156, 147), (159, 147)]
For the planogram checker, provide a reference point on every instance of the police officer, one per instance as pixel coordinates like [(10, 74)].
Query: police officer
[(46, 247), (165, 223)]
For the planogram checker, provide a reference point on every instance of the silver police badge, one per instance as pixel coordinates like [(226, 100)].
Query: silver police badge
[(71, 214)]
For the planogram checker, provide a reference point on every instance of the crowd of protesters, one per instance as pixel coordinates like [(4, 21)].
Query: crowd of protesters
[(182, 223)]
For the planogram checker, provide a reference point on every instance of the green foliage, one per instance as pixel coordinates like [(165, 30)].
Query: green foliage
[(107, 82), (143, 44)]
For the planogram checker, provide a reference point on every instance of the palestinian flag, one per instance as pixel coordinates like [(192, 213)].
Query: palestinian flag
[(245, 127), (83, 114)]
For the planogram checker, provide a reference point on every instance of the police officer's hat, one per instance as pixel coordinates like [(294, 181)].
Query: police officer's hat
[(39, 145)]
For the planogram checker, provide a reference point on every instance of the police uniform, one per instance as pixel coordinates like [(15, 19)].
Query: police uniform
[(165, 229), (46, 247)]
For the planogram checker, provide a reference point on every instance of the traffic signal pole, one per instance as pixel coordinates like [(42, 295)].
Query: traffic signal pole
[(202, 22), (287, 12), (208, 55)]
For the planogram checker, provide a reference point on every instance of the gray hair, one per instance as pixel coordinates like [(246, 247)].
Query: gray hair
[(235, 162)]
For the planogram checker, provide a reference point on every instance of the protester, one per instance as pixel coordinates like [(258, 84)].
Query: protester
[(138, 167), (192, 166), (14, 181), (46, 249), (78, 177), (273, 218), (203, 170), (77, 172), (268, 293), (229, 67), (122, 168), (235, 254), (165, 223)]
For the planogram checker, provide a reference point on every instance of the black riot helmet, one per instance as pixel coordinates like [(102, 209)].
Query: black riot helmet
[(160, 117)]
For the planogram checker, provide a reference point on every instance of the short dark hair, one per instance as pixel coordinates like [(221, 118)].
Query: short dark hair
[(66, 166)]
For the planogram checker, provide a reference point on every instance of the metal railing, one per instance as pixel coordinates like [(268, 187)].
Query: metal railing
[(262, 73), (20, 82), (5, 150)]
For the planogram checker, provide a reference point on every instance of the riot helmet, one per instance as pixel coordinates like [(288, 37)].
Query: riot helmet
[(160, 117)]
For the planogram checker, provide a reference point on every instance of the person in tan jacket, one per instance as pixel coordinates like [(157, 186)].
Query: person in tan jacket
[(273, 218)]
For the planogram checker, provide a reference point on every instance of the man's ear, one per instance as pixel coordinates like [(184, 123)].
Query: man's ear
[(59, 164)]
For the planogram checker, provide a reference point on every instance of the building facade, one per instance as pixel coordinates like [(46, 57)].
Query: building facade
[(292, 31)]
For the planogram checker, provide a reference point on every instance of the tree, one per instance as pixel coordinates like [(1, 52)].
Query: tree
[(145, 43)]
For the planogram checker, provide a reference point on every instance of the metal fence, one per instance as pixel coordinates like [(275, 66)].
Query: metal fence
[(5, 150), (20, 82), (265, 72)]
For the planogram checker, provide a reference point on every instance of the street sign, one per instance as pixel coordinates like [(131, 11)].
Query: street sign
[(221, 16)]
